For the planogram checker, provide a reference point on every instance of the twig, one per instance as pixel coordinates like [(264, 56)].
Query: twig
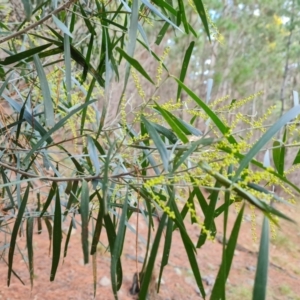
[(16, 34), (60, 179)]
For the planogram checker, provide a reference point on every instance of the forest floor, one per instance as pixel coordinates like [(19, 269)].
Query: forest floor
[(75, 280)]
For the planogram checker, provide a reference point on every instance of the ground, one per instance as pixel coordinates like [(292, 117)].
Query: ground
[(75, 280)]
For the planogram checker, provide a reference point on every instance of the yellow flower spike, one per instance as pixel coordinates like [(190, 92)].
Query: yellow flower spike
[(253, 223), (138, 85), (160, 66)]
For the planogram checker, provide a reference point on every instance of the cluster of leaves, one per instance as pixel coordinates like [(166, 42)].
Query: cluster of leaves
[(61, 76)]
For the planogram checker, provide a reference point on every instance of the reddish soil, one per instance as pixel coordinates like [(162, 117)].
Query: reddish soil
[(75, 280)]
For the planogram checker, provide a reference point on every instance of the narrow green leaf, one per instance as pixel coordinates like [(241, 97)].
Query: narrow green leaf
[(191, 149), (62, 26), (135, 64), (68, 70), (165, 132), (57, 126), (297, 159), (144, 36), (99, 221), (87, 22), (189, 248), (23, 55), (185, 209), (87, 58), (201, 11), (187, 242), (183, 16), (209, 216), (223, 208), (84, 211), (158, 142), (20, 118), (29, 234), (27, 9), (2, 25), (105, 180), (84, 111), (28, 117), (150, 266), (219, 287), (49, 229), (154, 55), (2, 73), (162, 33), (72, 197), (117, 249), (166, 5), (68, 238), (178, 128), (111, 235), (220, 125), (3, 259), (291, 114), (93, 154), (75, 54), (132, 34), (73, 18), (5, 83), (184, 67), (7, 189), (14, 233), (166, 251), (48, 105), (51, 194), (94, 259), (159, 14), (57, 236), (261, 276), (279, 155)]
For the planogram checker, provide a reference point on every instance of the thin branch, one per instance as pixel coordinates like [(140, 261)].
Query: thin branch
[(60, 179), (41, 21)]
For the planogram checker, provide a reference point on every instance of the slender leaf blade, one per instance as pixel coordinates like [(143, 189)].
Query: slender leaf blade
[(27, 9), (291, 114), (29, 240), (23, 55), (48, 105), (84, 211), (15, 233), (62, 26), (158, 142), (135, 64), (57, 237), (150, 266), (202, 13), (117, 250), (184, 67), (261, 276), (57, 126), (93, 154), (223, 273)]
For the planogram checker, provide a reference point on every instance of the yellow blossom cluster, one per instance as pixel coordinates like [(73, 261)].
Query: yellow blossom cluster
[(160, 66), (155, 182), (137, 84), (241, 102)]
